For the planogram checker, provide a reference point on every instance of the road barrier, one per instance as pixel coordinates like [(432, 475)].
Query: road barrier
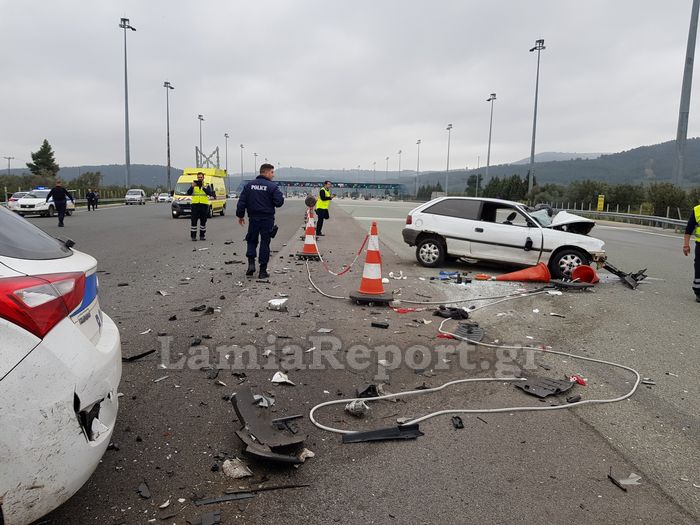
[(630, 218)]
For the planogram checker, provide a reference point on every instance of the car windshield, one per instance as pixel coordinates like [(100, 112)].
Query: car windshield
[(542, 217), (20, 239), (37, 194), (182, 187), (18, 194), (133, 192)]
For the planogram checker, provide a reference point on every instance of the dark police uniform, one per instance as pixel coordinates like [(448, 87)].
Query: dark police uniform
[(199, 209), (259, 198), (91, 200), (59, 194), (693, 229)]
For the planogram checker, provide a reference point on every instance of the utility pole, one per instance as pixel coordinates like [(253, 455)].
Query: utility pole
[(417, 165), (8, 164), (124, 24), (539, 46), (168, 87), (682, 133)]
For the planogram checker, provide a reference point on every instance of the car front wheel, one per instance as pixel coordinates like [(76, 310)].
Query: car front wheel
[(430, 252), (563, 262), (51, 211)]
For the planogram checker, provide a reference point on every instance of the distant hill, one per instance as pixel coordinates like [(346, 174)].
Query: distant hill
[(552, 156)]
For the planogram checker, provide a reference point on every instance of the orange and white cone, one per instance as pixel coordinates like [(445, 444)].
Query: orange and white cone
[(371, 286), (309, 251)]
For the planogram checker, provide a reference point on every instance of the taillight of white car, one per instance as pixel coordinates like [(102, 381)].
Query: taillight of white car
[(38, 303), (409, 219)]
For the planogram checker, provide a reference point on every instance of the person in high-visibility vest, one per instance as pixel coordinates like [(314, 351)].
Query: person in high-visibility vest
[(324, 202), (693, 228), (199, 209)]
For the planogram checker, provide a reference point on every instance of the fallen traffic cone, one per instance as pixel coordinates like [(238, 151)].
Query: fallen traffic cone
[(538, 274), (371, 287), (584, 274), (309, 252)]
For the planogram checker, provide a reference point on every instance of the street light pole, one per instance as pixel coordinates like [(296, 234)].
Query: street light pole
[(255, 164), (241, 162), (539, 46), (417, 165), (201, 152), (447, 171), (228, 184), (491, 98), (124, 24), (168, 87), (399, 154), (8, 164), (387, 169)]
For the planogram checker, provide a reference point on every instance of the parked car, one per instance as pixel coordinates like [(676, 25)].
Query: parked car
[(12, 201), (232, 195), (135, 196), (34, 203), (500, 231), (164, 197), (60, 367)]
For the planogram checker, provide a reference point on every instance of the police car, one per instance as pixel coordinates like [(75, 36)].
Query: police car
[(34, 203), (60, 367), (14, 199)]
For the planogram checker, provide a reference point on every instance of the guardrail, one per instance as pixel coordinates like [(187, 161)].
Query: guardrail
[(630, 218)]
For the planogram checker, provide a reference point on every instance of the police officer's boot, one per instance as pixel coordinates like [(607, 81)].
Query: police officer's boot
[(251, 267), (263, 272)]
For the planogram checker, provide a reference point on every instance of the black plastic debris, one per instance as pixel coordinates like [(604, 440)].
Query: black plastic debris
[(379, 324), (137, 356), (224, 498), (144, 491), (471, 331), (615, 481), (451, 312), (573, 399), (631, 280), (264, 440), (122, 284), (543, 386), (199, 308), (368, 390), (172, 318), (457, 422), (384, 434)]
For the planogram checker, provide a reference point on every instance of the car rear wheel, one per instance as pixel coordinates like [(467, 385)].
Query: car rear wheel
[(223, 211), (211, 213), (564, 261), (51, 211), (430, 252)]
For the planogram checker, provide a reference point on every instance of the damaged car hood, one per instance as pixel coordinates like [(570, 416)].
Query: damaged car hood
[(571, 223)]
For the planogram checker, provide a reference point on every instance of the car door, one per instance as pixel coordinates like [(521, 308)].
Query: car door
[(453, 218), (505, 234)]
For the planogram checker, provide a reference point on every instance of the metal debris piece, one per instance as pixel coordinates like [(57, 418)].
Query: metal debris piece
[(164, 293), (263, 401), (306, 454), (277, 305), (543, 386), (160, 379), (148, 331), (384, 434), (471, 331), (199, 308), (324, 330), (144, 491), (368, 390), (553, 314), (222, 499), (632, 479), (164, 505), (615, 481), (281, 378), (235, 468), (457, 422), (357, 408)]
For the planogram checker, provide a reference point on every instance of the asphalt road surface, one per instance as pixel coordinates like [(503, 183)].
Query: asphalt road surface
[(512, 467)]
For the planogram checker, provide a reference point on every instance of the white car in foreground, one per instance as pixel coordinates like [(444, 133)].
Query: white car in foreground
[(34, 203), (13, 201), (60, 366), (500, 231)]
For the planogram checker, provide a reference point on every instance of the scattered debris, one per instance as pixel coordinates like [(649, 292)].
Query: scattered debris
[(368, 390), (122, 284), (163, 293), (384, 434), (136, 357), (553, 314), (222, 499), (235, 468), (164, 505), (578, 379), (397, 276), (324, 330), (573, 399), (470, 331), (144, 491), (451, 312), (632, 479), (160, 379), (671, 374), (543, 386), (263, 401), (172, 318), (277, 305), (199, 308), (306, 454), (357, 408), (457, 422), (210, 518), (148, 331), (631, 280), (383, 362), (378, 324), (648, 381), (281, 378)]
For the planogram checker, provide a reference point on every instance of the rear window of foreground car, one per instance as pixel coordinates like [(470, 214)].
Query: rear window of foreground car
[(20, 239), (460, 208)]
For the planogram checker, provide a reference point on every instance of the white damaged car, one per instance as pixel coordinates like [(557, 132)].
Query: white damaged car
[(60, 366), (496, 230)]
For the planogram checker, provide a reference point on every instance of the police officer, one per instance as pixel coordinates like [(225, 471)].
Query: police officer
[(693, 228), (59, 194), (324, 202), (200, 206), (91, 197), (259, 198)]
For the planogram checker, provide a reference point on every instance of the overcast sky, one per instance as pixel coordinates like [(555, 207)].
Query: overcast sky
[(331, 84)]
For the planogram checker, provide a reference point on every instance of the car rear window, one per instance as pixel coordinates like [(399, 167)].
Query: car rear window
[(20, 239), (460, 208)]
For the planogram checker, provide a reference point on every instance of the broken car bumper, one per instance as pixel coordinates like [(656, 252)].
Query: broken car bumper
[(46, 451)]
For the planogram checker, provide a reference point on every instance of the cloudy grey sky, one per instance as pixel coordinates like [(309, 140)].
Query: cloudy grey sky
[(331, 84)]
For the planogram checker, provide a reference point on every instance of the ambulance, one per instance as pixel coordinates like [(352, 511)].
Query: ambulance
[(213, 177)]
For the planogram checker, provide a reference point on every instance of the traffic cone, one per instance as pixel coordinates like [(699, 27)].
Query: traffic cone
[(585, 274), (538, 274), (371, 286), (309, 251)]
